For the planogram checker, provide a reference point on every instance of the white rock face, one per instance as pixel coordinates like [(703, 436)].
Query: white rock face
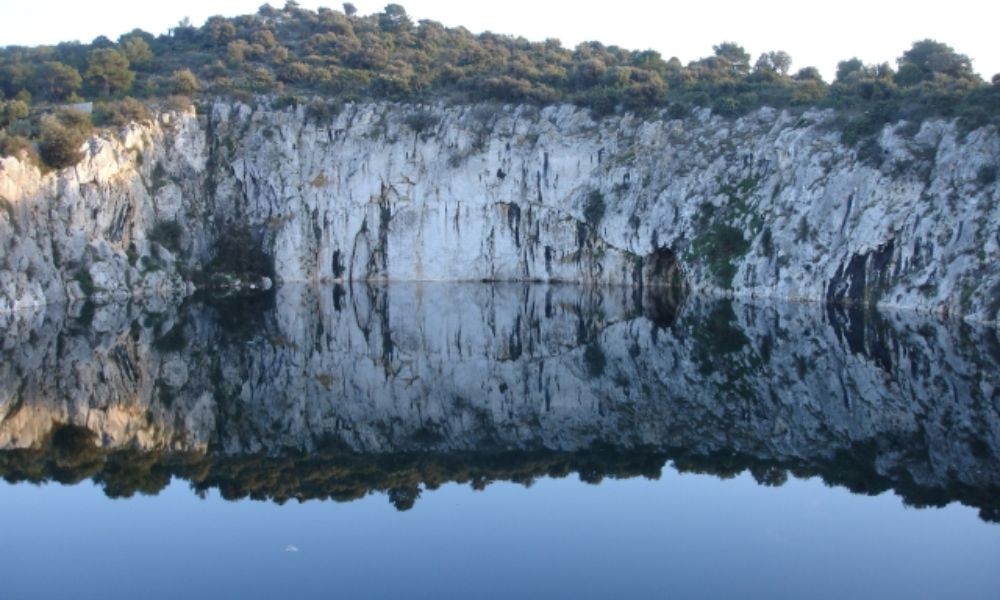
[(769, 205), (84, 231)]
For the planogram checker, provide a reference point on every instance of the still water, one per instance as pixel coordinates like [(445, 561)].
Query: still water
[(496, 441)]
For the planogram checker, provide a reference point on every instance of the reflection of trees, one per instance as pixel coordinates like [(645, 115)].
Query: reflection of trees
[(403, 498), (70, 456)]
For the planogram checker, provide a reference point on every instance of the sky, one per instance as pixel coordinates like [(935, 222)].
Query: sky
[(814, 34)]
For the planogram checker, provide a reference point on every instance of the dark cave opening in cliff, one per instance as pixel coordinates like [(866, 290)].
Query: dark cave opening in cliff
[(663, 286), (661, 268)]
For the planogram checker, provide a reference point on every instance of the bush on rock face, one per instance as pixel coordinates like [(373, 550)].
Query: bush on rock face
[(60, 146), (593, 210), (167, 234), (61, 138), (185, 82), (121, 112), (18, 147)]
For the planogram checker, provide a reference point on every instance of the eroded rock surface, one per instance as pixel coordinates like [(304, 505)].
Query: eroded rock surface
[(769, 205)]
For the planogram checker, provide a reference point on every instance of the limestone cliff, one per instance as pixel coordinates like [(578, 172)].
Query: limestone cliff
[(768, 205)]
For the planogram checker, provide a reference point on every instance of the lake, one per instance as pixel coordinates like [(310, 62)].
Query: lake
[(495, 441)]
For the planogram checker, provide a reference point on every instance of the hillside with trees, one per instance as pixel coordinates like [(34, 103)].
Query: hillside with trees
[(324, 57)]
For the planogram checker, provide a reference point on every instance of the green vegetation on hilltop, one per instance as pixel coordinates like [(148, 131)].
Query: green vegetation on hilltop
[(297, 54)]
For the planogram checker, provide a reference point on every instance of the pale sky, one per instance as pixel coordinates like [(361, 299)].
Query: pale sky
[(814, 34)]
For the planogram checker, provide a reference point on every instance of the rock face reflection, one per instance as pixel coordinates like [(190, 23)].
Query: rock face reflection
[(334, 393)]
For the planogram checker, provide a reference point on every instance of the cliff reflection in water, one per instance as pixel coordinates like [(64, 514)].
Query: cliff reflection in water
[(336, 393)]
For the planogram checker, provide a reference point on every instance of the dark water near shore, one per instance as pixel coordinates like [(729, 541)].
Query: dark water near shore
[(480, 441)]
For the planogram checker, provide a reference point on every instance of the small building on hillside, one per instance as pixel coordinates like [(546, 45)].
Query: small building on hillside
[(86, 108)]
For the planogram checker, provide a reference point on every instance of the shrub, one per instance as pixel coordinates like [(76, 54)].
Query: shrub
[(179, 103), (987, 175), (593, 209), (185, 82), (18, 147), (167, 234), (718, 247), (283, 102), (421, 121), (295, 72), (158, 178), (86, 282), (60, 146), (121, 113), (870, 152), (75, 120), (594, 359), (322, 112)]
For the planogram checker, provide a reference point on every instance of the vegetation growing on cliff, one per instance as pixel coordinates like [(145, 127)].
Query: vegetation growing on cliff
[(60, 137), (297, 53)]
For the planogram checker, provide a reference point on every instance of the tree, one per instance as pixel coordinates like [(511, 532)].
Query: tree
[(846, 67), (14, 76), (735, 55), (55, 80), (73, 54), (774, 62), (927, 59), (102, 41), (349, 9), (650, 60), (808, 74), (404, 497), (12, 110), (137, 51), (219, 30), (859, 82), (394, 19), (108, 71)]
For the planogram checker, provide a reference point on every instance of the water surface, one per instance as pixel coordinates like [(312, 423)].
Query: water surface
[(496, 440)]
